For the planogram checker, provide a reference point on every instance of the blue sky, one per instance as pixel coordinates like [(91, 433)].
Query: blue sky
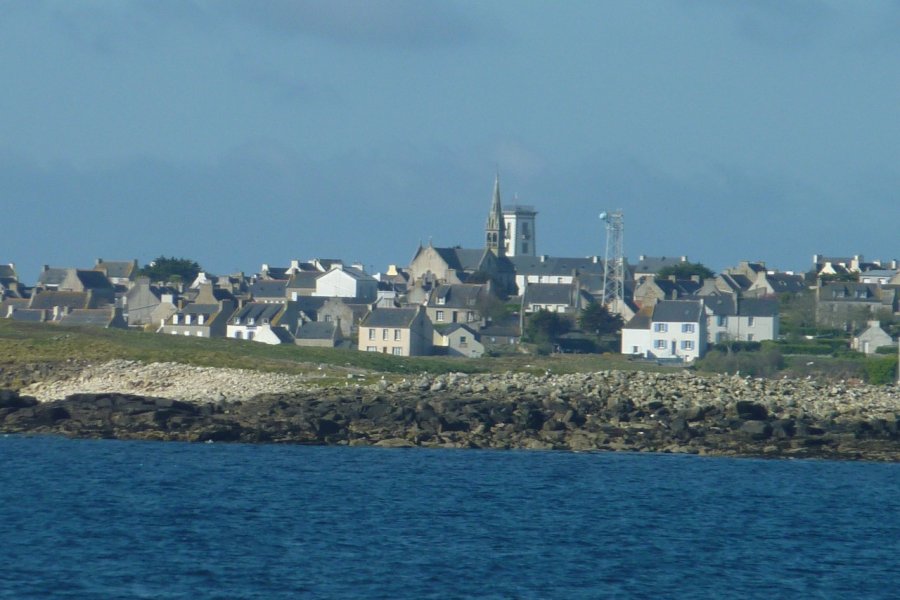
[(238, 132)]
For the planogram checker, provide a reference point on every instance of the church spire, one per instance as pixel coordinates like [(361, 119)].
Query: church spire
[(494, 228)]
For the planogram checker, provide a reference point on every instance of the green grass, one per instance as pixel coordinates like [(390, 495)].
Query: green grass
[(23, 343)]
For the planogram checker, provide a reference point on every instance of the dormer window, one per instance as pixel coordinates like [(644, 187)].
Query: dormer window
[(187, 319), (251, 321), (200, 319), (442, 300), (175, 319), (237, 320)]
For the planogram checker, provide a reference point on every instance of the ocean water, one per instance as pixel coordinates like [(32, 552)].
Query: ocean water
[(110, 519)]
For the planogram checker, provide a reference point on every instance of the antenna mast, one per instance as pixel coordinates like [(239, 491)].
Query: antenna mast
[(614, 262)]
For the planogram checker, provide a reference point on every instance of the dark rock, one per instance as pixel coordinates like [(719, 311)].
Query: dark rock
[(756, 430), (751, 411)]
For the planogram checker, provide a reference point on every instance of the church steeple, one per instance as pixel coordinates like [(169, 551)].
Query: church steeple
[(494, 228)]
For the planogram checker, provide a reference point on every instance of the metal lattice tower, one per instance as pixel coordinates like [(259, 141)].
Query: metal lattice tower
[(614, 261)]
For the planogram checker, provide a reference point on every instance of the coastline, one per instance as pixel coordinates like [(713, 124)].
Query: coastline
[(603, 411)]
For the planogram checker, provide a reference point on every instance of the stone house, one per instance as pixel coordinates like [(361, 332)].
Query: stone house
[(558, 298), (732, 318), (269, 291), (457, 303), (652, 289), (206, 317), (119, 272), (347, 315), (671, 329), (145, 303), (848, 305), (871, 339), (397, 331)]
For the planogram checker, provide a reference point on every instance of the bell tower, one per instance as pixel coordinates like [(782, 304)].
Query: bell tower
[(494, 228)]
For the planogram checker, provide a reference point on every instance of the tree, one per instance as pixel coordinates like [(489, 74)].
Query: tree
[(596, 319), (685, 270), (545, 326), (171, 269)]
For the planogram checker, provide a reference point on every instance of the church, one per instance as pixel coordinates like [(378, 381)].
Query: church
[(507, 233)]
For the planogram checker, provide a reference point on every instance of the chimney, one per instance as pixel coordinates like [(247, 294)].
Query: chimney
[(99, 262)]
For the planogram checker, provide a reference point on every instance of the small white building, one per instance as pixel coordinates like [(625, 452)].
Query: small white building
[(675, 329), (872, 338), (347, 282)]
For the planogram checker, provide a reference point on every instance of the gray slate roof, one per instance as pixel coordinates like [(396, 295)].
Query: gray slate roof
[(456, 295), (269, 288), (96, 317), (316, 330), (783, 282), (556, 266), (28, 315), (93, 280), (548, 293), (390, 317), (51, 276), (304, 280), (757, 307), (50, 299), (117, 268), (260, 312), (200, 309), (7, 271), (678, 311)]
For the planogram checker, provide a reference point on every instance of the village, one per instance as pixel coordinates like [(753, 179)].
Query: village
[(470, 301)]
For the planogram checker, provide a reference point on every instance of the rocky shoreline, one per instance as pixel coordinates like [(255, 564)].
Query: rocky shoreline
[(604, 411)]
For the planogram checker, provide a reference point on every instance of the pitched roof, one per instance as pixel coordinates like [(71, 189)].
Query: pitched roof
[(677, 311), (459, 295), (641, 320), (29, 315), (316, 330), (303, 280), (654, 264), (51, 299), (784, 282), (260, 312), (390, 317), (721, 305), (757, 307), (454, 326), (548, 293), (97, 317), (120, 269), (52, 276), (7, 271), (93, 280), (284, 336), (556, 265), (200, 309), (269, 288)]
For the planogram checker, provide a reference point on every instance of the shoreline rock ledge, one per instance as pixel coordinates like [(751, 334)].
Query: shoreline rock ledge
[(603, 411)]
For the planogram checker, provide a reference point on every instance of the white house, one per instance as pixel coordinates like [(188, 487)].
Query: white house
[(675, 329), (347, 282)]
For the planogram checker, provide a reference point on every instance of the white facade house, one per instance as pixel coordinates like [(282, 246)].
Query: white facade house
[(347, 282), (676, 329)]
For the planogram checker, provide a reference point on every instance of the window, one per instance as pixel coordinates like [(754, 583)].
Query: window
[(199, 334), (249, 335), (749, 337), (328, 318), (200, 319), (462, 341), (687, 345), (187, 333), (660, 327), (174, 319), (687, 328), (384, 334), (722, 321), (524, 247), (187, 319), (441, 300), (470, 316), (371, 348), (660, 344), (439, 315), (396, 335), (398, 351), (749, 321), (238, 335), (371, 334)]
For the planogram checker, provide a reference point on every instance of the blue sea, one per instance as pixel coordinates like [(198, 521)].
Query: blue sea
[(112, 519)]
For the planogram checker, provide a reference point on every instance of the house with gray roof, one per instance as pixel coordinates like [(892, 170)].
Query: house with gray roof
[(457, 303), (732, 318), (671, 329), (319, 335), (871, 339), (55, 300), (119, 272), (397, 331), (206, 317), (559, 298), (302, 283), (850, 305), (652, 289), (146, 303), (260, 321), (431, 266), (776, 284), (648, 266), (458, 339), (50, 277)]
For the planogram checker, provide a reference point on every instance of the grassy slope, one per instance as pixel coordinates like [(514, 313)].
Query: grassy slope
[(22, 343)]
